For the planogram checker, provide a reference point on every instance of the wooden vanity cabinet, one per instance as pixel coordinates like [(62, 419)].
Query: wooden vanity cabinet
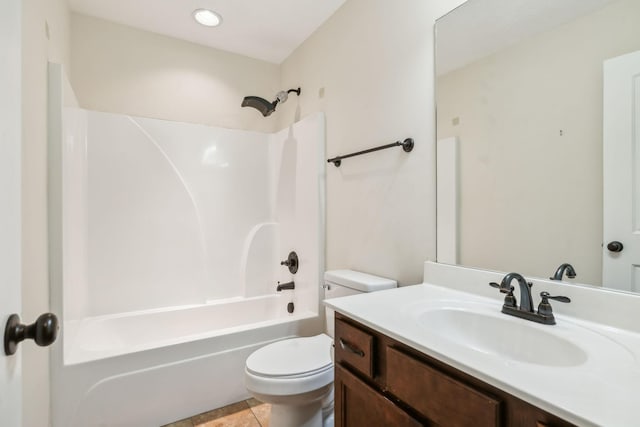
[(382, 382)]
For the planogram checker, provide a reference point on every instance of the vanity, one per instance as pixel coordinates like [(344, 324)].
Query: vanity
[(397, 385), (443, 353)]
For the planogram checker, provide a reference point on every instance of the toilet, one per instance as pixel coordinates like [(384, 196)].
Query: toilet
[(296, 375)]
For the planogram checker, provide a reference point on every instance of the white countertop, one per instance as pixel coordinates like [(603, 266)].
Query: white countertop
[(603, 390)]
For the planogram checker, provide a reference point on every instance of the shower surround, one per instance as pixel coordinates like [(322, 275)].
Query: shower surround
[(166, 242)]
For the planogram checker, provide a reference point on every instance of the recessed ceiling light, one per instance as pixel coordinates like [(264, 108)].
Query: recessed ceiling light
[(207, 17)]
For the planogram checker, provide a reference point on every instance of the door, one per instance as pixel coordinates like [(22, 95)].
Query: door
[(621, 169), (10, 157)]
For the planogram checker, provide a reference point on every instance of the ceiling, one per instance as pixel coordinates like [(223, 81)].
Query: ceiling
[(269, 30)]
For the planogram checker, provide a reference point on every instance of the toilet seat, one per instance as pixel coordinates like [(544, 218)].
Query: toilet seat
[(291, 366), (292, 358)]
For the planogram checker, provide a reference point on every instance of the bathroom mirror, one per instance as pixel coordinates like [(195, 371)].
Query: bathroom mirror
[(519, 90)]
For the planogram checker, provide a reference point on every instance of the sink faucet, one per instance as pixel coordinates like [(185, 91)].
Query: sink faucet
[(564, 268), (525, 311), (288, 285), (526, 303)]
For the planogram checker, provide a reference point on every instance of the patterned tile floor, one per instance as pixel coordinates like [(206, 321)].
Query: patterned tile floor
[(248, 413)]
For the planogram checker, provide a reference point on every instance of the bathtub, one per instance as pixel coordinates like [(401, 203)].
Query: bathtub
[(153, 367), (131, 352), (113, 335)]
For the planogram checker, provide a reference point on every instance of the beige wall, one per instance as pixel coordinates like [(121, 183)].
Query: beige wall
[(530, 198), (119, 69), (39, 46), (374, 61)]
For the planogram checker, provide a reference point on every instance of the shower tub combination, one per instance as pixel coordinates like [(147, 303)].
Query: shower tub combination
[(166, 240)]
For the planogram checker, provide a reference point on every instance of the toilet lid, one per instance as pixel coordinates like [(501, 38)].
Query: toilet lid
[(292, 357)]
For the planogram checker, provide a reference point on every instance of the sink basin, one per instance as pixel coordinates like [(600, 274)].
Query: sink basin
[(502, 336)]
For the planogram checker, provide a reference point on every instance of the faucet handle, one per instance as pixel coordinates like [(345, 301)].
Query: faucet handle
[(291, 262), (544, 308), (502, 288), (546, 296), (509, 299)]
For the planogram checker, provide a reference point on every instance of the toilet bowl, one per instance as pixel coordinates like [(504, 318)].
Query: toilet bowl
[(296, 375)]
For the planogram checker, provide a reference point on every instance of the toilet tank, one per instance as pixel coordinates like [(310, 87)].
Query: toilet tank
[(341, 283)]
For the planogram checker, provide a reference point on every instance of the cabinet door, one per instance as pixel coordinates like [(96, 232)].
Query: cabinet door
[(358, 405), (440, 398)]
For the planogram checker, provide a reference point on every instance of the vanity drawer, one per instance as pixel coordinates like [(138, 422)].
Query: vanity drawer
[(354, 347), (440, 398)]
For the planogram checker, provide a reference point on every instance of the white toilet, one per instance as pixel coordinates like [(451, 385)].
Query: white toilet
[(296, 375)]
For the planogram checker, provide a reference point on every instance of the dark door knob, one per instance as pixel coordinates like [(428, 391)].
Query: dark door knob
[(615, 246), (43, 331)]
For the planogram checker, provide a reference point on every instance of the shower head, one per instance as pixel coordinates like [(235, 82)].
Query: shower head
[(265, 107)]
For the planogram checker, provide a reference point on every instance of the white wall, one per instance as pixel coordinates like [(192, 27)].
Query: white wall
[(374, 61), (530, 198), (45, 33), (158, 214), (298, 177), (122, 70), (161, 198)]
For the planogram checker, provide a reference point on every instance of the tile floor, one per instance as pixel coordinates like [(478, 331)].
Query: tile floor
[(248, 413)]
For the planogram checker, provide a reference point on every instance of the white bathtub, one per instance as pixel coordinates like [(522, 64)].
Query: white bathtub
[(106, 336), (154, 367)]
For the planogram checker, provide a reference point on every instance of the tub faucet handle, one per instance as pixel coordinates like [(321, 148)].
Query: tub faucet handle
[(291, 262)]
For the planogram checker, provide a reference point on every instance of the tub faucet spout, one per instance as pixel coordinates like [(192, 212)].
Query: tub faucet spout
[(288, 285)]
